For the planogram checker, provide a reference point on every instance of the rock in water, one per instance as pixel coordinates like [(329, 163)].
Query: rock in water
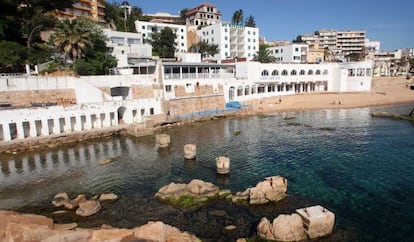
[(88, 208)]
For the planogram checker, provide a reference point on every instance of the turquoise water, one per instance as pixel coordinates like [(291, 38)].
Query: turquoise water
[(356, 165)]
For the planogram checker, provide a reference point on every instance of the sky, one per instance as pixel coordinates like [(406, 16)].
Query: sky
[(389, 21)]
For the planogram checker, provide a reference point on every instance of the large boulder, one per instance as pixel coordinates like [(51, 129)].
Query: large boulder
[(88, 208), (27, 232), (283, 228), (74, 203), (113, 235), (11, 217), (200, 187), (190, 151), (187, 195), (288, 228), (171, 190), (158, 231), (272, 189)]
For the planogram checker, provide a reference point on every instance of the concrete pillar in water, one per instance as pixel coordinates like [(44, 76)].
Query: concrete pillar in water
[(190, 151), (223, 164), (163, 140)]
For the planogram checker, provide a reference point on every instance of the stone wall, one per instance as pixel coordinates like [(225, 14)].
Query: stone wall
[(199, 89), (390, 81), (179, 107), (142, 92), (26, 98)]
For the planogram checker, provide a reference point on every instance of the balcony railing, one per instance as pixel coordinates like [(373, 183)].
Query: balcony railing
[(178, 76)]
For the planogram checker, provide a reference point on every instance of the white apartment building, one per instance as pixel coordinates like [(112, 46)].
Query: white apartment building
[(339, 43), (292, 53), (146, 29), (128, 48), (232, 40)]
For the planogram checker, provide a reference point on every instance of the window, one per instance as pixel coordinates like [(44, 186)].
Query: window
[(143, 26), (318, 72), (325, 72), (212, 31), (284, 73), (261, 89), (248, 40), (253, 89), (310, 72), (225, 38), (246, 90), (240, 91), (168, 88), (360, 72), (225, 45), (182, 30), (275, 73), (293, 73), (151, 111), (296, 49), (368, 72), (302, 72), (248, 32), (265, 73), (351, 72)]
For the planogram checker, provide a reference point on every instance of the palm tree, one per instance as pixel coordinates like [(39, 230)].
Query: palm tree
[(237, 17), (72, 37), (263, 55), (205, 49)]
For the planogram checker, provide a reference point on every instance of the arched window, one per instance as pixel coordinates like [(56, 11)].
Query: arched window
[(284, 73), (302, 72), (293, 73), (240, 91), (246, 90), (254, 89), (310, 72), (318, 72), (265, 73), (271, 88), (275, 73), (325, 72)]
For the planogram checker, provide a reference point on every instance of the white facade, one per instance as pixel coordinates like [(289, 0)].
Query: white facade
[(232, 40), (146, 29), (94, 109), (292, 53), (126, 46), (255, 80)]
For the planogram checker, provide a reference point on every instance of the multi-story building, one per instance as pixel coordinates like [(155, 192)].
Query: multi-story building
[(164, 18), (292, 53), (232, 40), (93, 9), (341, 44), (204, 14), (351, 42), (147, 29), (134, 57)]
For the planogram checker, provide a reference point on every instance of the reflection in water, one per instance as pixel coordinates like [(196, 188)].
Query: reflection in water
[(340, 168)]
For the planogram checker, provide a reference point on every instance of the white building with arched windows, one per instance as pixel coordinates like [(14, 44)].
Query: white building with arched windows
[(255, 80)]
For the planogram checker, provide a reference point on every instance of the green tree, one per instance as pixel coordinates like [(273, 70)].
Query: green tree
[(13, 56), (263, 55), (72, 37), (97, 61), (237, 17), (204, 48), (250, 22), (115, 17), (183, 13), (163, 43)]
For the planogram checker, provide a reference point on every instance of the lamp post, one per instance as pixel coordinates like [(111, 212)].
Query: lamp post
[(31, 34), (125, 5)]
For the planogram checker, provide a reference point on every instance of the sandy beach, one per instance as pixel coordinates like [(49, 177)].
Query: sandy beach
[(379, 95)]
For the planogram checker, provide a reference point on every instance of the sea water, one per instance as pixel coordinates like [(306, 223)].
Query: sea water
[(358, 166)]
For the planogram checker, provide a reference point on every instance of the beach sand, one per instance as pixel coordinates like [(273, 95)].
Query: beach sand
[(379, 95)]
